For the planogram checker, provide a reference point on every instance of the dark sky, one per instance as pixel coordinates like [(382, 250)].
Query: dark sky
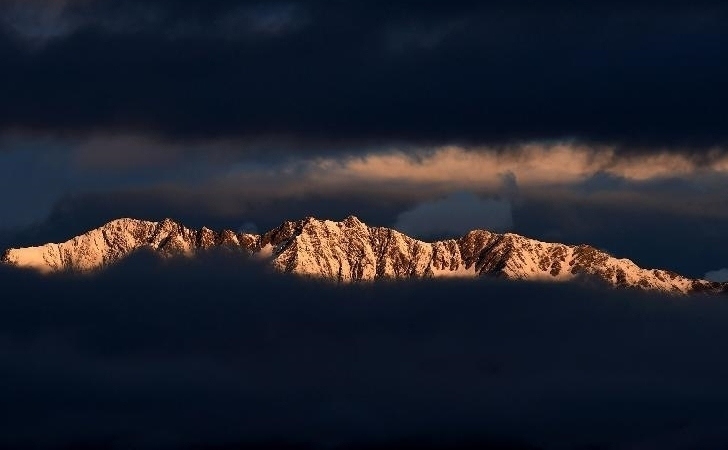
[(422, 72)]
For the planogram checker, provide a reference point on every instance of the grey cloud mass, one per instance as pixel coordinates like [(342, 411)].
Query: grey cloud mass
[(455, 215), (717, 275)]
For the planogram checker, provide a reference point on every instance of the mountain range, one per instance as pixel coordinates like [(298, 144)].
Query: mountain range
[(350, 251)]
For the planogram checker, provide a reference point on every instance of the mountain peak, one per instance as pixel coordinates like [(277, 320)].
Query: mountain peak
[(352, 220), (352, 251)]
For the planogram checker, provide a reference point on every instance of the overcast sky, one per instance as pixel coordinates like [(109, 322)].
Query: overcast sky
[(601, 122)]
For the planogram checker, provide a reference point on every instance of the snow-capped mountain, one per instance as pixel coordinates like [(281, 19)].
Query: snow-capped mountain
[(352, 251)]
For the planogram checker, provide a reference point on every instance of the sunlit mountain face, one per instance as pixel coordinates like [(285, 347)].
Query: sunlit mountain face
[(351, 251), (540, 179)]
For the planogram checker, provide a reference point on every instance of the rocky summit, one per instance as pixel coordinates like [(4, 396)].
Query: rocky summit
[(350, 250)]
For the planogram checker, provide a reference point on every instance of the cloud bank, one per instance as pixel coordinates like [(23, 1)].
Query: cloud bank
[(216, 352)]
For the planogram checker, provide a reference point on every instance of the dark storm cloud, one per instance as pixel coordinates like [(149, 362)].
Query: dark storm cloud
[(644, 72), (218, 351)]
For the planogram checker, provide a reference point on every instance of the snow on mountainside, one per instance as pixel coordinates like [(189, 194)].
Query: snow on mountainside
[(352, 251)]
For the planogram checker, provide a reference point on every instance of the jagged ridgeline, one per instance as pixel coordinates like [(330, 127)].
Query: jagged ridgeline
[(352, 251)]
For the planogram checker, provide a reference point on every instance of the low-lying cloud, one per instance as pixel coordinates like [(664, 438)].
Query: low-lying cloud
[(216, 351)]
